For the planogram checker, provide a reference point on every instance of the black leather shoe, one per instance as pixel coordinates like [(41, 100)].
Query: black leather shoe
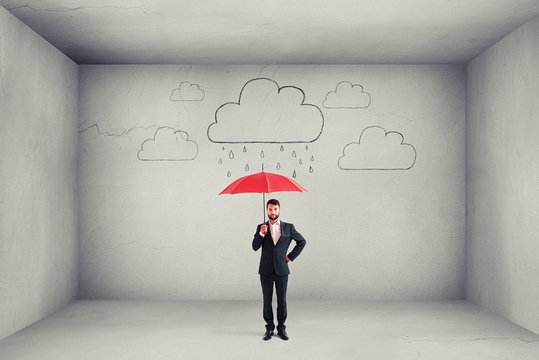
[(283, 335), (268, 335)]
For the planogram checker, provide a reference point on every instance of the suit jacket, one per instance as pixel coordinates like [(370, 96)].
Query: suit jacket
[(273, 257)]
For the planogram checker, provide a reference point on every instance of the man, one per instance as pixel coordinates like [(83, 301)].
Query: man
[(275, 237)]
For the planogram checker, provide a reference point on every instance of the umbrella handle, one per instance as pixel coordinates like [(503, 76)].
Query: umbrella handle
[(264, 205)]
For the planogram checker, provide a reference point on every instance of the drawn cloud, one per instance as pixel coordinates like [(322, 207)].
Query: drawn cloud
[(267, 113), (168, 145), (378, 150), (347, 96), (187, 92)]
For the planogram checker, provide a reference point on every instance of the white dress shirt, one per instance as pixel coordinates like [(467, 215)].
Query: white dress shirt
[(275, 230)]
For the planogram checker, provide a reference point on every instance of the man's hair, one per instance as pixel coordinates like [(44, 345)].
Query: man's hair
[(273, 202)]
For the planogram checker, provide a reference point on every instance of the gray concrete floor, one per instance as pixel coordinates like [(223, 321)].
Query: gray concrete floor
[(233, 330)]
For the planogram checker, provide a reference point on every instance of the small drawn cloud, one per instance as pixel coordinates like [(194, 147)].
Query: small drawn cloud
[(267, 113), (168, 145), (187, 92), (378, 150), (347, 96)]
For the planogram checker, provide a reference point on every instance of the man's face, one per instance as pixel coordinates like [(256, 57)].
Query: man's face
[(273, 211)]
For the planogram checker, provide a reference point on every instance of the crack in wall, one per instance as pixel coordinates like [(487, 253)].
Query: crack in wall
[(122, 133), (104, 252), (83, 7)]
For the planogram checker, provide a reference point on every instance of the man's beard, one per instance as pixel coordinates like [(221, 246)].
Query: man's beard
[(273, 217)]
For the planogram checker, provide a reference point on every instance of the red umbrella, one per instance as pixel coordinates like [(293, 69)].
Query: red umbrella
[(264, 183)]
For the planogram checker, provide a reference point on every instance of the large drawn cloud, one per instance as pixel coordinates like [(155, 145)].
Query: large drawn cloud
[(187, 92), (267, 113), (347, 96), (378, 150), (168, 145)]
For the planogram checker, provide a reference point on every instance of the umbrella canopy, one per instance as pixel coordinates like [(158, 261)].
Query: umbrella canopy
[(262, 182)]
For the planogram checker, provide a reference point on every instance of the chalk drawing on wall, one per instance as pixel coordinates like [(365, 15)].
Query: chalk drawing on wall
[(267, 113), (115, 132), (347, 96), (168, 144), (187, 91), (291, 160), (378, 149)]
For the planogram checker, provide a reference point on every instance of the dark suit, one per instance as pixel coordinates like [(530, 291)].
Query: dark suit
[(274, 269)]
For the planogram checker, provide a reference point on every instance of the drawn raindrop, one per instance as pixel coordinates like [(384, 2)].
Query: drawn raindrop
[(223, 147), (231, 154), (282, 148), (300, 162), (220, 161), (312, 158), (294, 153), (311, 169), (262, 154), (228, 174), (306, 147), (278, 166), (246, 167), (294, 174), (244, 149)]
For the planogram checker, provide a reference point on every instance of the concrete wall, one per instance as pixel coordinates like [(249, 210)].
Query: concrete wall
[(153, 159), (38, 202), (502, 177)]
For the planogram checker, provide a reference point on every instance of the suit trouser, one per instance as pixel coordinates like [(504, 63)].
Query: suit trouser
[(281, 282)]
